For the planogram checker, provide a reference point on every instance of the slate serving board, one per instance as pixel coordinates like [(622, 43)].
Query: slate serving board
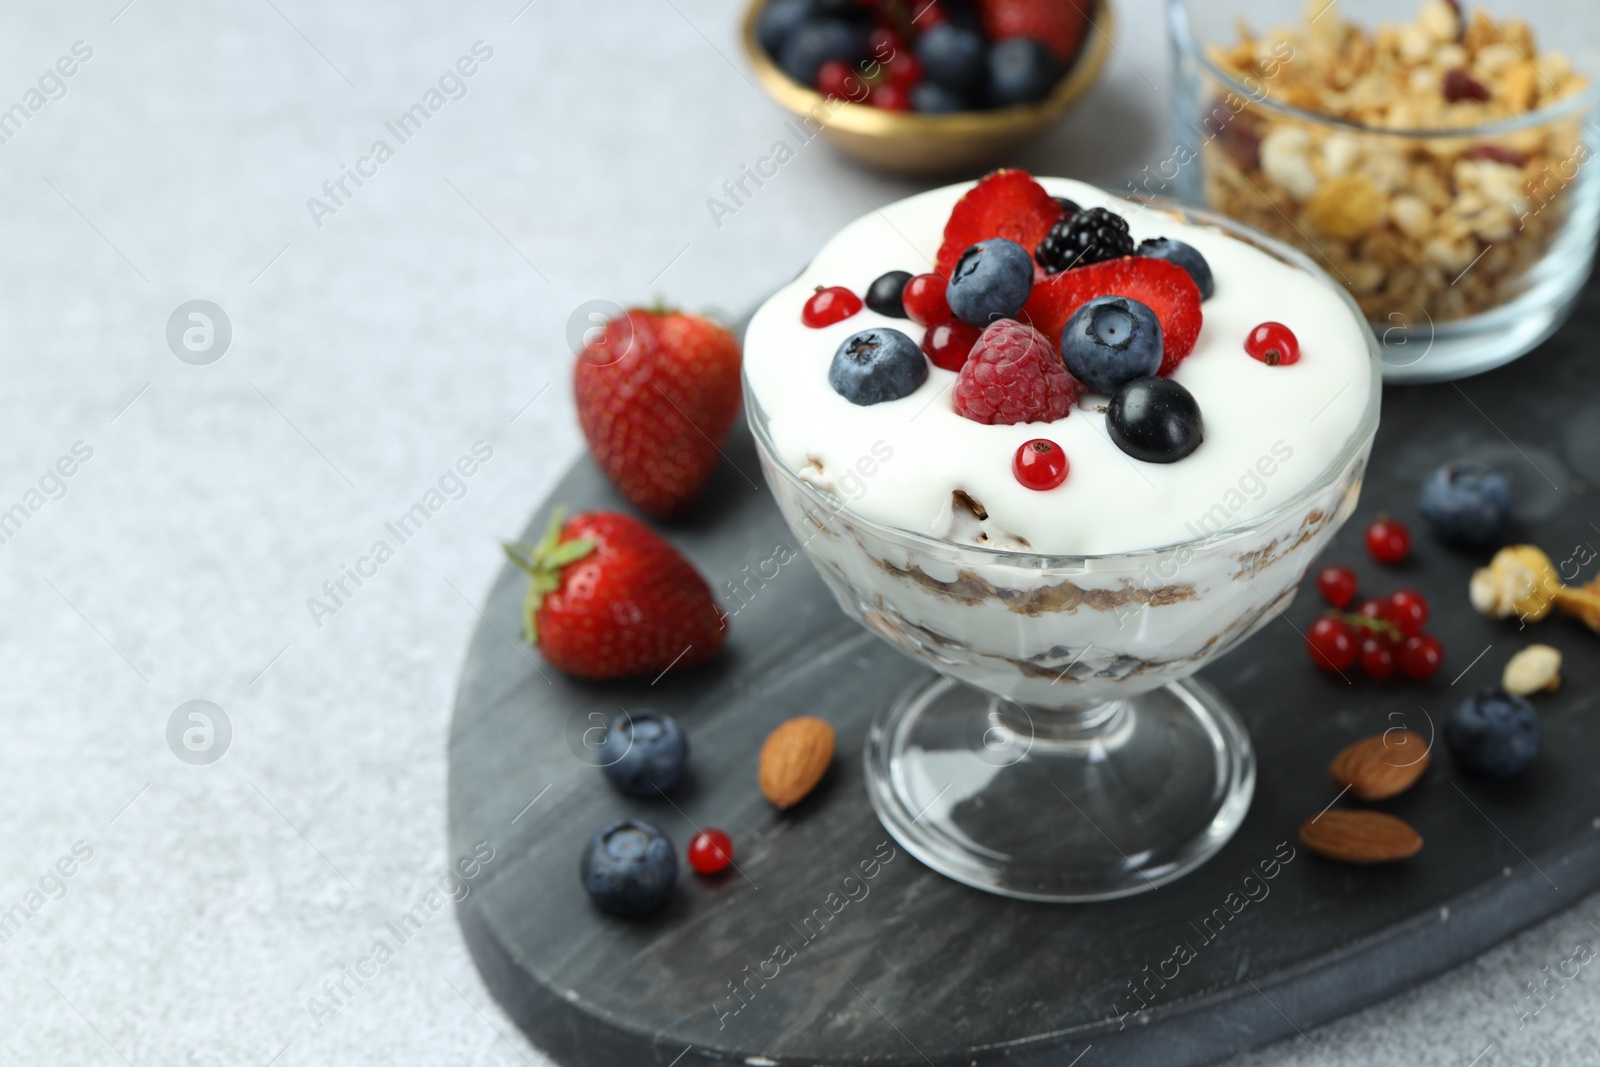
[(790, 961)]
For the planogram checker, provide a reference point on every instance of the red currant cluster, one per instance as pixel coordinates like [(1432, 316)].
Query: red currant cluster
[(1384, 634)]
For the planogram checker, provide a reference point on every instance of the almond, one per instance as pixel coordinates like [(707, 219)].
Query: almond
[(1360, 837), (1383, 766), (794, 759)]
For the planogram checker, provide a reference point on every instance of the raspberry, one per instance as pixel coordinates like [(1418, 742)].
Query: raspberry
[(1162, 286), (1012, 376), (1007, 203), (1093, 235)]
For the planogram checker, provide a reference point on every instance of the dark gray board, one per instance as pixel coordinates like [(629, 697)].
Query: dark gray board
[(921, 970)]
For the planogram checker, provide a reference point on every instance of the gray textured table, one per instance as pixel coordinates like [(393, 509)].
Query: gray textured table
[(226, 910)]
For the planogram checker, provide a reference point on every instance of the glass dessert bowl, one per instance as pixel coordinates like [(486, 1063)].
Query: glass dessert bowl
[(1060, 750)]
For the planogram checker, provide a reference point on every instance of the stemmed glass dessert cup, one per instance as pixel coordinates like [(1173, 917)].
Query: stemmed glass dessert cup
[(1059, 748)]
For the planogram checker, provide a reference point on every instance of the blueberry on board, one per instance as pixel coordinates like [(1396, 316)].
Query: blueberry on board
[(1111, 340), (883, 295), (1155, 420), (877, 365), (629, 868), (931, 98), (814, 43), (1493, 733), (1467, 503), (1021, 71), (955, 58), (780, 18), (1186, 256), (991, 280), (643, 753)]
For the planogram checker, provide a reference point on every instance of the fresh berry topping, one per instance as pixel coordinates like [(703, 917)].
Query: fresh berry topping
[(1111, 340), (890, 97), (1093, 235), (931, 98), (1274, 344), (1021, 71), (954, 57), (828, 306), (885, 294), (710, 851), (877, 365), (1155, 420), (1060, 26), (1388, 541), (1068, 207), (629, 868), (643, 753), (1163, 287), (1459, 85), (1466, 503), (949, 343), (1377, 658), (1493, 733), (1186, 256), (923, 298), (838, 79), (1007, 203), (1408, 610), (1014, 375), (656, 395), (813, 43), (1420, 656), (1332, 644), (991, 281), (1040, 464), (1337, 585)]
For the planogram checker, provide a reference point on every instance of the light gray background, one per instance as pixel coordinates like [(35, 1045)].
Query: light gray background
[(368, 354)]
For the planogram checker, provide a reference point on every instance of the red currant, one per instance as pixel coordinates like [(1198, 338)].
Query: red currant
[(1040, 464), (710, 851), (885, 43), (1337, 585), (1388, 541), (1408, 609), (1420, 656), (1377, 658), (1274, 344), (1332, 644), (1374, 608), (828, 306), (890, 97), (924, 301), (835, 78), (905, 70), (950, 343)]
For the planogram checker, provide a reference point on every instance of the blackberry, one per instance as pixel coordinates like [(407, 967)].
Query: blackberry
[(1092, 235)]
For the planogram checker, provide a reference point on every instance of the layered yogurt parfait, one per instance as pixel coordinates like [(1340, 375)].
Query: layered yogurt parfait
[(1066, 449)]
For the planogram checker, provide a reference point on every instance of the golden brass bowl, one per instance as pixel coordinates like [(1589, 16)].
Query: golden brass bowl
[(909, 143)]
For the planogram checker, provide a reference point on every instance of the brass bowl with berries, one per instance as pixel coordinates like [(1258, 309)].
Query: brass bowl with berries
[(919, 142)]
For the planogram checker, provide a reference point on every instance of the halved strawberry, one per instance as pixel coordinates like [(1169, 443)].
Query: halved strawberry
[(1165, 288), (1007, 203)]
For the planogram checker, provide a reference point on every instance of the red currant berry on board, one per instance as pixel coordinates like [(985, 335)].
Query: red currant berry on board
[(828, 306), (1408, 609), (710, 851), (1374, 608), (1332, 644), (1337, 585), (1040, 464), (924, 301), (1377, 658), (1274, 344), (890, 97), (1420, 656), (1388, 541), (949, 343)]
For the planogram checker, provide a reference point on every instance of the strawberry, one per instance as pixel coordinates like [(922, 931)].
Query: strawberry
[(1007, 203), (657, 393), (1060, 24), (1163, 287), (609, 598)]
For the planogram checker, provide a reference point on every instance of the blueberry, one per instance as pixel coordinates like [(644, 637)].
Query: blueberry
[(931, 98), (629, 868), (1111, 340), (1493, 733), (779, 19), (1186, 256), (1068, 207), (812, 44), (877, 365), (991, 280), (643, 753), (1155, 420), (883, 295), (1021, 71), (955, 58), (1466, 503)]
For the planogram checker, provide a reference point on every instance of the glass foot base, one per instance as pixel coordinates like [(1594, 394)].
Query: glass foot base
[(1060, 806)]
